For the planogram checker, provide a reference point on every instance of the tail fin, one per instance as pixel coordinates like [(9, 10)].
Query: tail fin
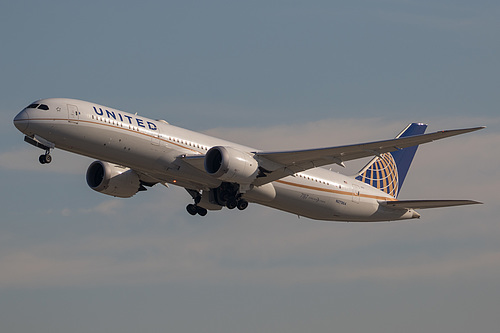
[(387, 172)]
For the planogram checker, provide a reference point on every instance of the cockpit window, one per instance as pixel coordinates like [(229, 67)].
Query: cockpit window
[(38, 106)]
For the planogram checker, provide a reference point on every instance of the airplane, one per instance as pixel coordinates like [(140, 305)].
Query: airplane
[(134, 152)]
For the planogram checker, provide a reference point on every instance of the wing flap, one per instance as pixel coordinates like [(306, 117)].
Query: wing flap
[(424, 204)]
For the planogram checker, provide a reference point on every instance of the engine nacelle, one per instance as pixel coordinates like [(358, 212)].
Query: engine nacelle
[(112, 179), (231, 165)]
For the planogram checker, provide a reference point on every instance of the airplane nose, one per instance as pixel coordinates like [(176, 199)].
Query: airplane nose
[(21, 121)]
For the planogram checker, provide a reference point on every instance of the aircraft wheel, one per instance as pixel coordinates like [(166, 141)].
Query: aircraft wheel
[(45, 159), (192, 209), (242, 204), (201, 211), (231, 204)]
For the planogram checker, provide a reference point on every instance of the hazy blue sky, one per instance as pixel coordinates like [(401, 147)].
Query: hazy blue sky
[(274, 75)]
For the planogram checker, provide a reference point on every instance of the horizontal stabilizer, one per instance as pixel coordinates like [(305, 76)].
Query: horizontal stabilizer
[(423, 204)]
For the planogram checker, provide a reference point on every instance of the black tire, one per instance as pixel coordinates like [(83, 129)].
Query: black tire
[(231, 204), (192, 209), (242, 204), (41, 159), (201, 211), (48, 158)]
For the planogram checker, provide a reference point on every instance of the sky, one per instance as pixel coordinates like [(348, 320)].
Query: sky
[(271, 75)]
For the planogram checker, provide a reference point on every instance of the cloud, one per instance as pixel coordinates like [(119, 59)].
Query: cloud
[(334, 131), (324, 133), (309, 253), (426, 267), (108, 207)]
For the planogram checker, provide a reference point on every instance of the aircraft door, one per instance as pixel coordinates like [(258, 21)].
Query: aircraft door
[(355, 193), (155, 137), (73, 114)]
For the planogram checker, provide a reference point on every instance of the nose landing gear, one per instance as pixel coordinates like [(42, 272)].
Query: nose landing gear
[(42, 144), (45, 159)]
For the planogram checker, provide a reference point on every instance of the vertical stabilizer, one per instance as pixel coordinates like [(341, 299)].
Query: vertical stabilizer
[(387, 172)]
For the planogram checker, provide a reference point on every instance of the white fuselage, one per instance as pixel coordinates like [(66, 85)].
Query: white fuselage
[(153, 148)]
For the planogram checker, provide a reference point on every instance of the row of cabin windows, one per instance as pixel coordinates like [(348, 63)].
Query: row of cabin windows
[(317, 180), (188, 143), (117, 123)]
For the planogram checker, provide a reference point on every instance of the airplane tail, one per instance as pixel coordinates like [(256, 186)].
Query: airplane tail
[(387, 171)]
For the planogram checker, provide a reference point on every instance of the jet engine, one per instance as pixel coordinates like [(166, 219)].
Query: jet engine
[(113, 179), (231, 165)]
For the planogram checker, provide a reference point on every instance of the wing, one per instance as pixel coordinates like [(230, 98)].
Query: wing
[(423, 204), (276, 165), (280, 164)]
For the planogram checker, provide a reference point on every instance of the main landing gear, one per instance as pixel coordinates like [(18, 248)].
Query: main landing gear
[(195, 209), (233, 201), (226, 195)]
